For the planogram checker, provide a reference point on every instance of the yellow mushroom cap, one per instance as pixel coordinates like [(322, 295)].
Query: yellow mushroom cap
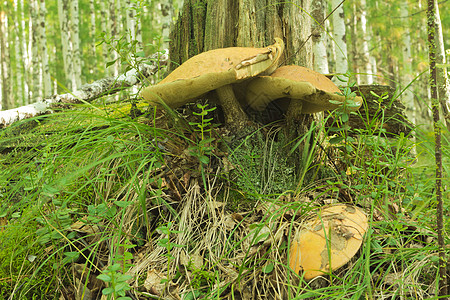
[(328, 241), (213, 69), (299, 84)]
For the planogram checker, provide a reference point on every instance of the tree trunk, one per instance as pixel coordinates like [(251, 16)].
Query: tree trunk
[(63, 8), (209, 24), (443, 83), (407, 73), (3, 60), (47, 83), (339, 39), (366, 77), (36, 91), (319, 37), (75, 38)]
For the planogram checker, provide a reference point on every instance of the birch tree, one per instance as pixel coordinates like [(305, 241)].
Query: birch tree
[(92, 36), (319, 37), (340, 39), (19, 51), (408, 96), (47, 84), (63, 7), (36, 91), (366, 77), (114, 26), (75, 42), (3, 59), (442, 75)]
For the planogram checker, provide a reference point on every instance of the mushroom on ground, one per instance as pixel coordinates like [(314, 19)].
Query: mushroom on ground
[(309, 91), (328, 241), (215, 70)]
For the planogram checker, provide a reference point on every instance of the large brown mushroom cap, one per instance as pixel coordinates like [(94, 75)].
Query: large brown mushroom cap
[(299, 84), (211, 70), (328, 241)]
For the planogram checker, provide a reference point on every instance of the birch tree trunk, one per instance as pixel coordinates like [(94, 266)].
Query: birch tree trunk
[(92, 37), (165, 18), (20, 57), (443, 84), (131, 23), (104, 25), (408, 96), (75, 39), (47, 83), (63, 7), (319, 37), (340, 39), (4, 70), (367, 77), (114, 30), (36, 91)]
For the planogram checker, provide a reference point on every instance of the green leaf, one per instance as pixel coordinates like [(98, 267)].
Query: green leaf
[(104, 277), (122, 204), (107, 291), (336, 140), (203, 159), (268, 268)]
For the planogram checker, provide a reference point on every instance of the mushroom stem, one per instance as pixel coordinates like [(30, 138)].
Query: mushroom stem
[(293, 114), (235, 117)]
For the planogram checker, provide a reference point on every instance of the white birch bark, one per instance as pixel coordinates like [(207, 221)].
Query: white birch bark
[(92, 33), (367, 77), (75, 39), (86, 92), (340, 41), (130, 21), (319, 36), (63, 7), (165, 19), (114, 30), (36, 91), (3, 60), (407, 72), (47, 84), (20, 67), (104, 25), (443, 84)]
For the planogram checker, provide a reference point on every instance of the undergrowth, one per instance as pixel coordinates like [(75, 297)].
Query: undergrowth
[(92, 202)]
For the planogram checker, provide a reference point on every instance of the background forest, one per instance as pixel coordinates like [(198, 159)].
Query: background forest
[(107, 198)]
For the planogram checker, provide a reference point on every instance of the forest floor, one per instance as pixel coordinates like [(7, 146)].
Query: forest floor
[(98, 202)]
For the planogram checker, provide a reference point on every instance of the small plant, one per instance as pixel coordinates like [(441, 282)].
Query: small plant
[(168, 245), (203, 149), (117, 283)]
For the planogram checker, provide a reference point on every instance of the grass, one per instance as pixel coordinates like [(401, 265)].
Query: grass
[(93, 201)]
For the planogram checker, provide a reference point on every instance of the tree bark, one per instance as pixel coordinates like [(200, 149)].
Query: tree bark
[(339, 39), (443, 83), (63, 8), (407, 78), (3, 60), (75, 38), (47, 83), (35, 83), (319, 37), (209, 24)]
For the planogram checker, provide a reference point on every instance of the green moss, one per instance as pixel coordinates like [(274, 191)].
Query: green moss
[(261, 167)]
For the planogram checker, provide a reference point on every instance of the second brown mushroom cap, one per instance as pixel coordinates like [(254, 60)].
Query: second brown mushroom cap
[(305, 87)]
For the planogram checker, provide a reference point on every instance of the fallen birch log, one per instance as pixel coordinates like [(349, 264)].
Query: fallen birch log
[(87, 92)]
